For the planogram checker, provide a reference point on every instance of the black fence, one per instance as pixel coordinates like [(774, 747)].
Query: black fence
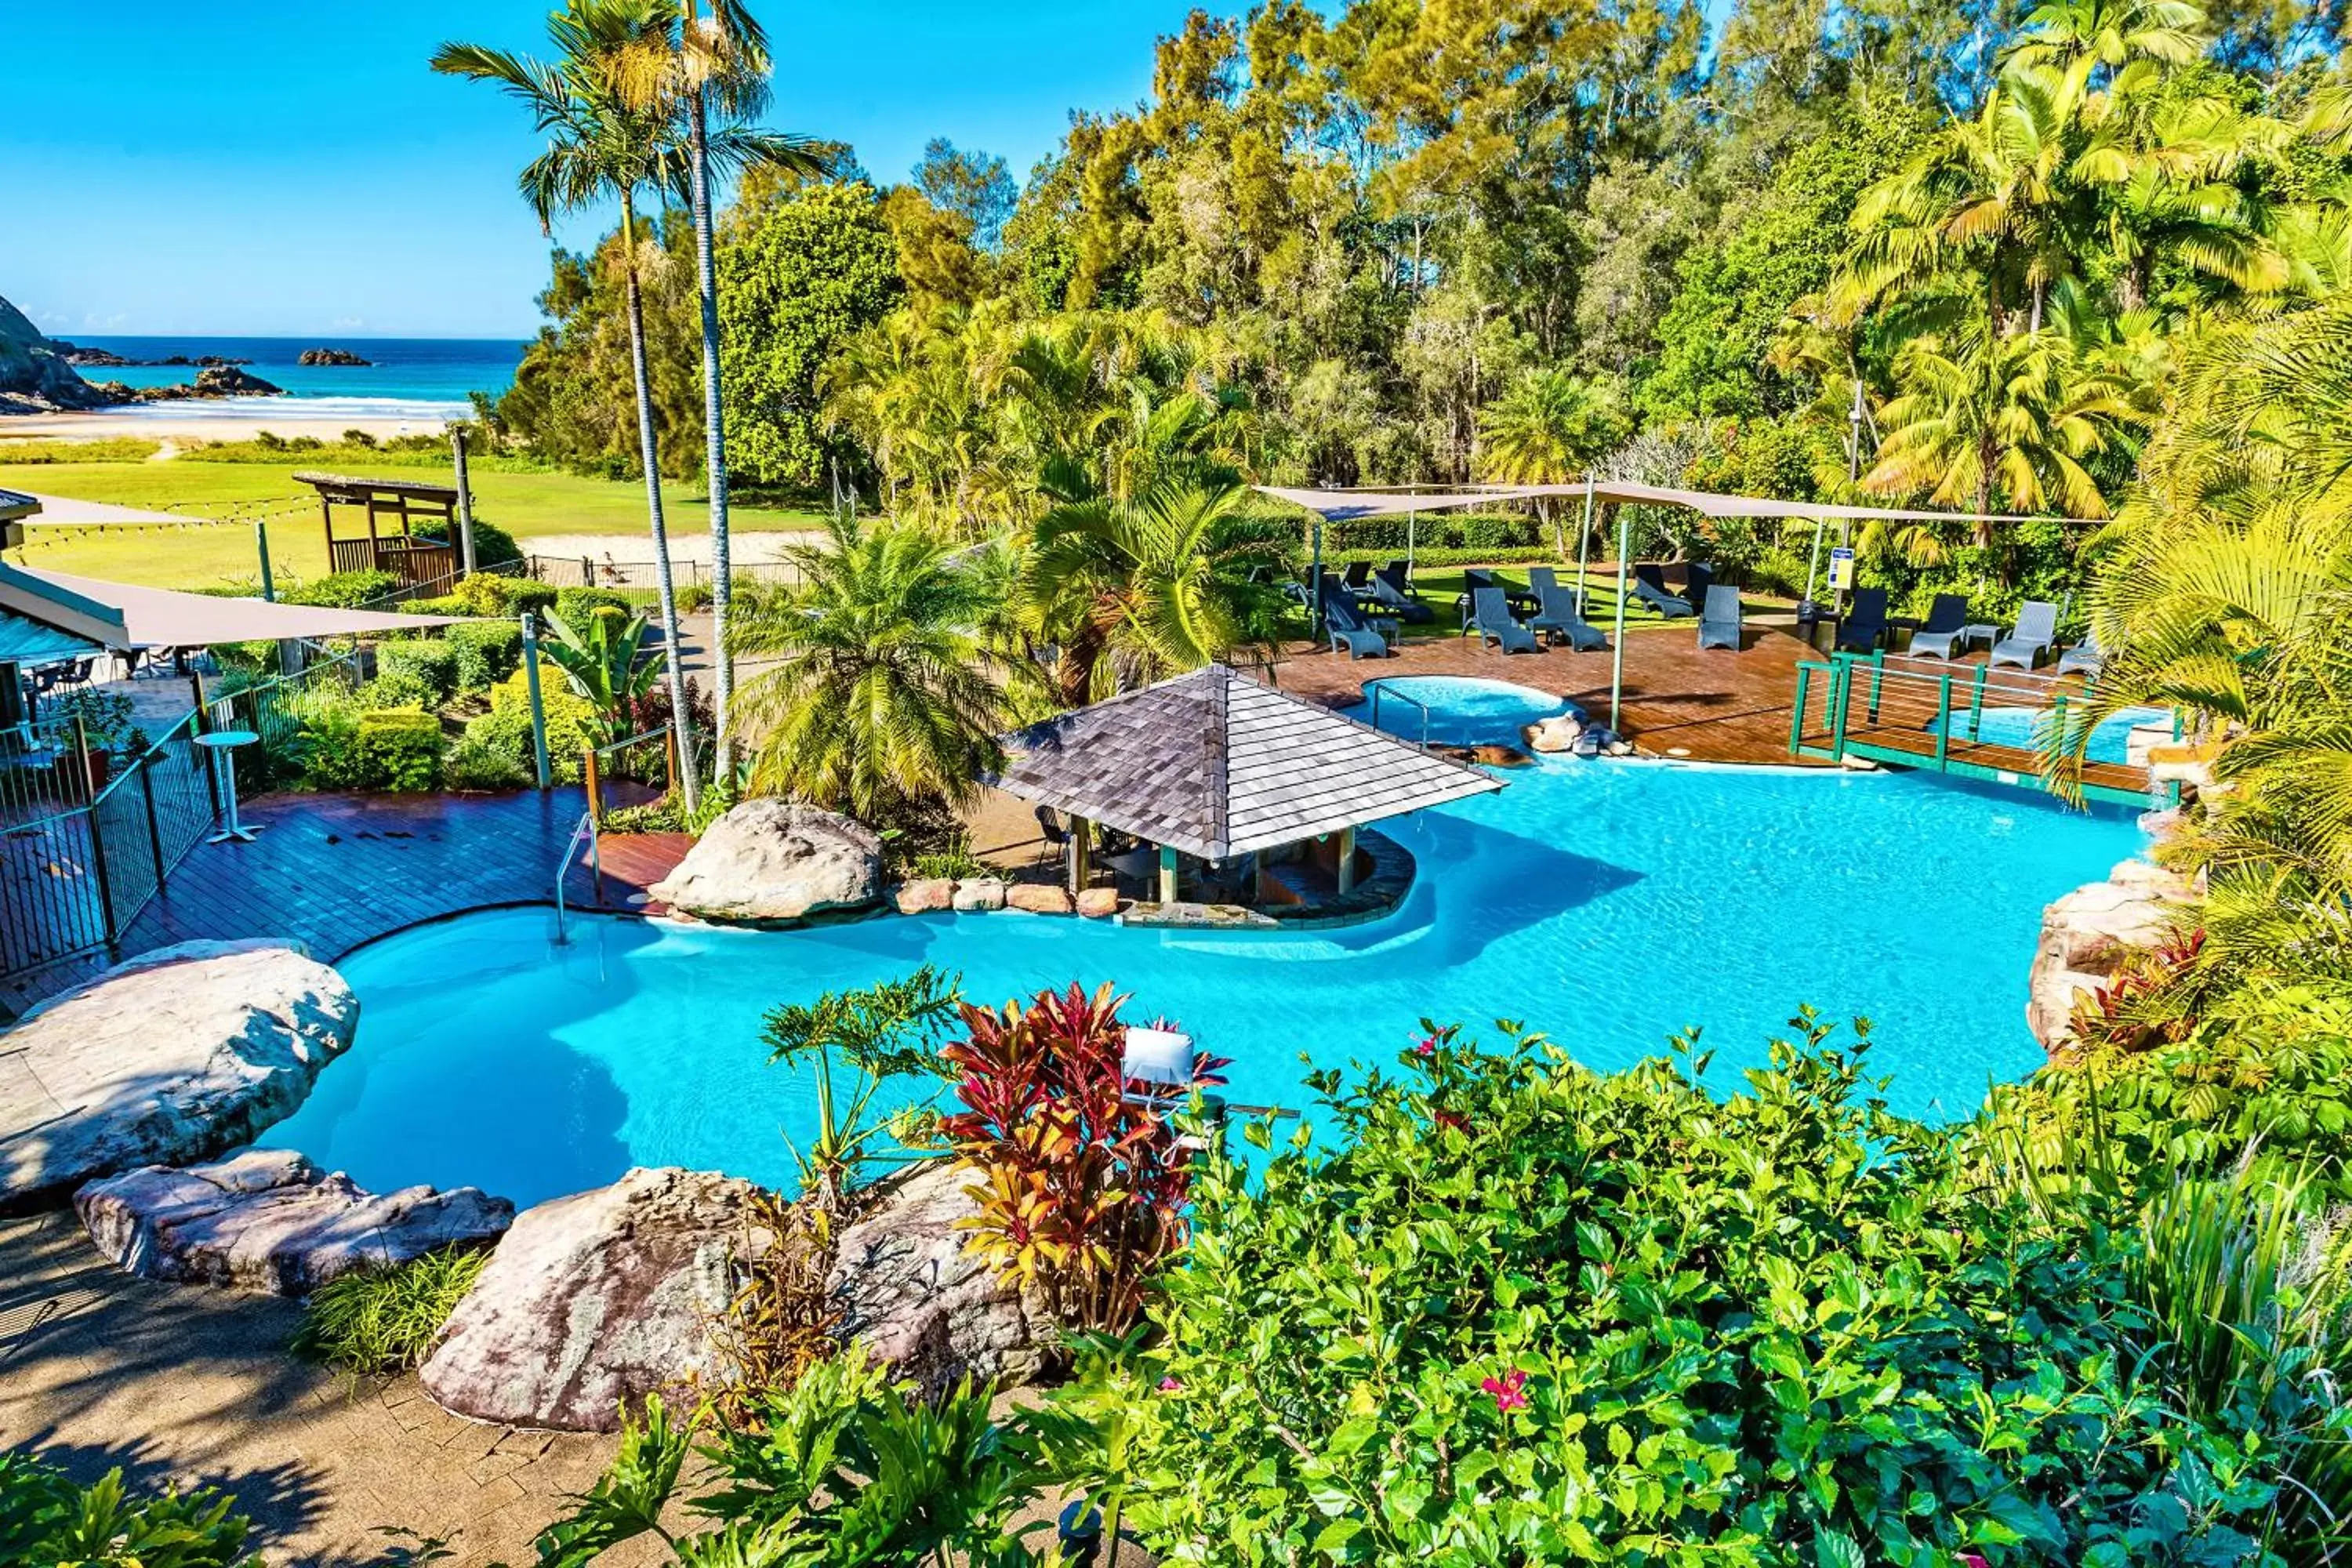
[(593, 571), (73, 881)]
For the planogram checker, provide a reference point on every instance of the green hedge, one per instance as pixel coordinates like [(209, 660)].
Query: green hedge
[(401, 749), (342, 590), (485, 652), (1440, 531), (1428, 557), (430, 663), (576, 606)]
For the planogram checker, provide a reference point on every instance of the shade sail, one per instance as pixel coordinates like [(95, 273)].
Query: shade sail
[(1342, 506), (1217, 765), (123, 615)]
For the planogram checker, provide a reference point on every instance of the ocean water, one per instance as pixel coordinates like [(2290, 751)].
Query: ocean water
[(425, 379), (1611, 904)]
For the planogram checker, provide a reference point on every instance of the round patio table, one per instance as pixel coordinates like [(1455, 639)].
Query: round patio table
[(220, 743)]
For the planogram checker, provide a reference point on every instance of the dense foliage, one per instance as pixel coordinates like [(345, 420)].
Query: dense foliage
[(46, 1517), (382, 1321)]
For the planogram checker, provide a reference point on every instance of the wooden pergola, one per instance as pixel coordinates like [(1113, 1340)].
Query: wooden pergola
[(391, 508)]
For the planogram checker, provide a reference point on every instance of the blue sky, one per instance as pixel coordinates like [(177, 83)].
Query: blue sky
[(292, 169)]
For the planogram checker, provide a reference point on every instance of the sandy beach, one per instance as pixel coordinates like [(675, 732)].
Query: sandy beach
[(193, 421)]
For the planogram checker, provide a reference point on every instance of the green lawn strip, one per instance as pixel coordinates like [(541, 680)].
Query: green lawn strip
[(528, 505)]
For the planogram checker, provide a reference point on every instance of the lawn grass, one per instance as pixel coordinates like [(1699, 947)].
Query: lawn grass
[(210, 553)]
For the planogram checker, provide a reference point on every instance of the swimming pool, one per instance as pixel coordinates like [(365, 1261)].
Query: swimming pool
[(2111, 740), (1454, 710), (1609, 903)]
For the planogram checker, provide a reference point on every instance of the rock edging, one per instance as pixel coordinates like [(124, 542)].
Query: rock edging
[(2089, 934)]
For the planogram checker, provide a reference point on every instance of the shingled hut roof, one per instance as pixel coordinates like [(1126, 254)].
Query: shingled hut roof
[(1215, 764)]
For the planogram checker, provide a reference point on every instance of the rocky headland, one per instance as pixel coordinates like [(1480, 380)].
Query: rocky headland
[(38, 374), (331, 357)]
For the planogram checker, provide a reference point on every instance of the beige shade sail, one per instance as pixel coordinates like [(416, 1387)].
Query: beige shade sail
[(123, 615), (1341, 506)]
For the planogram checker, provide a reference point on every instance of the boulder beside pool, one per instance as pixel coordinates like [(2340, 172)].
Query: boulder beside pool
[(593, 1301), (769, 861), (269, 1220), (171, 1058), (2090, 933)]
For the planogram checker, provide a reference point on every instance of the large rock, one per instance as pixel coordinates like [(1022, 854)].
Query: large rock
[(268, 1220), (921, 1305), (1556, 734), (979, 896), (174, 1058), (925, 896), (775, 860), (592, 1302), (2089, 934), (1038, 898), (35, 374)]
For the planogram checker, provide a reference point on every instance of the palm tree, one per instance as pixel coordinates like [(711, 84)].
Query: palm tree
[(2001, 423), (1158, 579), (724, 60), (598, 102), (1549, 427), (880, 703)]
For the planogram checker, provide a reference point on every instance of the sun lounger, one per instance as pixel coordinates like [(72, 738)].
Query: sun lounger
[(2035, 634), (1945, 629), (2085, 658), (1864, 625), (1699, 577), (1490, 617), (1719, 627), (1559, 616), (1650, 587), (1346, 626), (1391, 594)]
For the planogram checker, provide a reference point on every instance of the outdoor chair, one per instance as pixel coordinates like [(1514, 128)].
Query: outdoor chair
[(1719, 626), (1057, 838), (2085, 658), (2035, 634), (1390, 593), (1360, 578), (1399, 572), (1490, 617), (1344, 627), (1650, 587), (1946, 627), (1560, 618), (1477, 577), (1697, 578), (1863, 627)]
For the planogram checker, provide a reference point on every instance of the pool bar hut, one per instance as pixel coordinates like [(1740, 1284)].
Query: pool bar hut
[(1247, 781), (389, 509)]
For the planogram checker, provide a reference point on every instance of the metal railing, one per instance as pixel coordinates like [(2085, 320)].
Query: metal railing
[(647, 761), (1965, 719), (589, 572), (587, 826), (1379, 692)]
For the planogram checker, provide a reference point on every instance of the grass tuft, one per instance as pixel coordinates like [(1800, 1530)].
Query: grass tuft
[(382, 1321)]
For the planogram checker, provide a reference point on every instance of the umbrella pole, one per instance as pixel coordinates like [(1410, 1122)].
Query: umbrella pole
[(1584, 543), (1617, 656), (1315, 585)]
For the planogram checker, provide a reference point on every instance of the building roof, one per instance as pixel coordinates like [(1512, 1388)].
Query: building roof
[(124, 615), (14, 504), (343, 486), (32, 644), (1217, 765)]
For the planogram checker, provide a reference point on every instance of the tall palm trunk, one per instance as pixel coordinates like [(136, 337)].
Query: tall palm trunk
[(680, 729), (714, 430)]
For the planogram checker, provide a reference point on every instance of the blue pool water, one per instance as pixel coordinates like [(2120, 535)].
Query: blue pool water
[(1610, 903), (2024, 727), (1454, 710)]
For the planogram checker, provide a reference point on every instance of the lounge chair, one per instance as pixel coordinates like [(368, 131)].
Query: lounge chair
[(1560, 618), (1697, 578), (2085, 658), (1490, 617), (1863, 627), (1650, 587), (1360, 578), (2035, 634), (1391, 593), (1346, 627), (1939, 636), (1719, 626)]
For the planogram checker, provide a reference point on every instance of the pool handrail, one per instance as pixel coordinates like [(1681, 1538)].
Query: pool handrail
[(1379, 690), (586, 825)]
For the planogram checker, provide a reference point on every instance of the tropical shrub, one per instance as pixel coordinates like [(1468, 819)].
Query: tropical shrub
[(1508, 1311), (382, 1321), (109, 721), (783, 1316), (505, 730), (1082, 1187), (486, 594), (843, 1469), (485, 652), (400, 749), (579, 606), (871, 1037), (603, 658), (325, 744), (342, 590), (480, 763), (430, 665), (46, 1517)]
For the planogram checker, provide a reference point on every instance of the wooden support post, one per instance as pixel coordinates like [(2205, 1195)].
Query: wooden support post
[(1080, 856), (588, 776), (1167, 874), (669, 761), (1347, 871)]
